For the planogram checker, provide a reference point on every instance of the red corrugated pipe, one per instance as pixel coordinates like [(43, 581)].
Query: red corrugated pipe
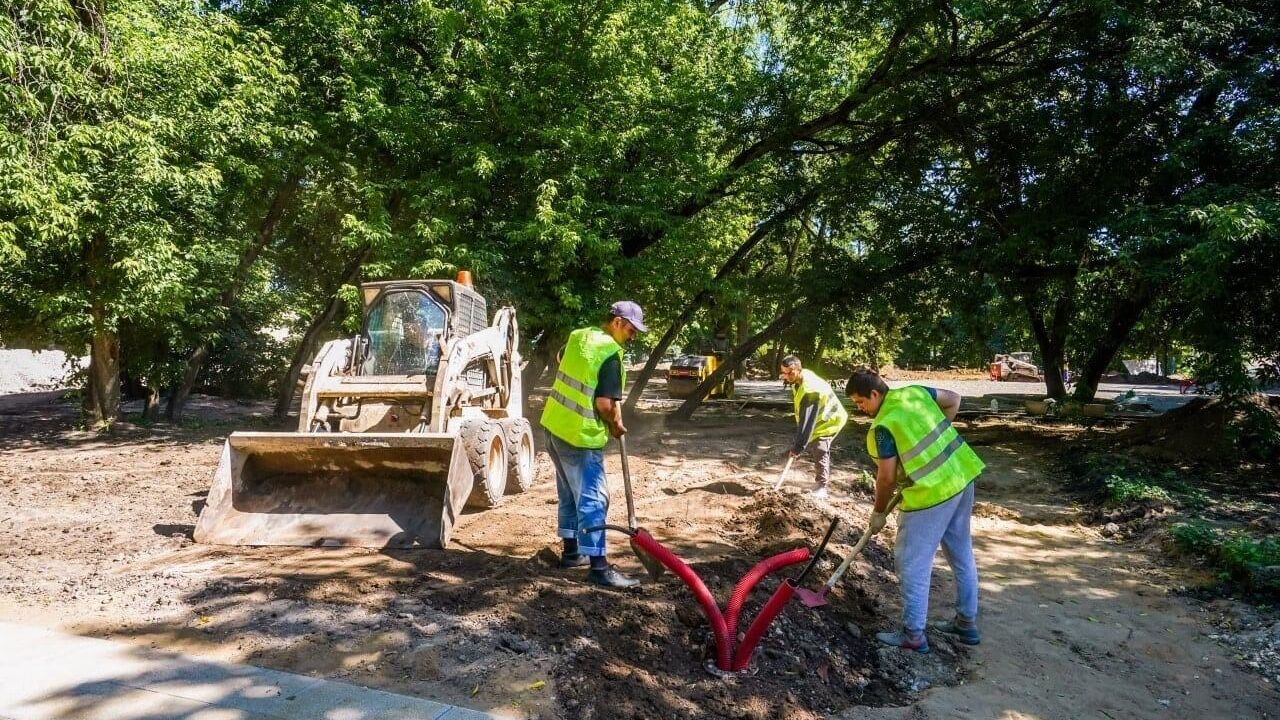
[(726, 657), (781, 596), (724, 643), (753, 576)]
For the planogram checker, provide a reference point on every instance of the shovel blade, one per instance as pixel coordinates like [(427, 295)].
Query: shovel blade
[(812, 598), (650, 563)]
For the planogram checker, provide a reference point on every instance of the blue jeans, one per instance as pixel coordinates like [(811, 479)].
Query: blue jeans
[(919, 534), (583, 492)]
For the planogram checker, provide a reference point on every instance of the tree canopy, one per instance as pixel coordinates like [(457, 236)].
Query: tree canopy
[(191, 190)]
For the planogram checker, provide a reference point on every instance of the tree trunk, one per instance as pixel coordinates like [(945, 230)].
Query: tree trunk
[(104, 371), (539, 360), (266, 231), (760, 233), (871, 281), (151, 403), (1123, 320), (740, 353), (1051, 352), (311, 338), (775, 360)]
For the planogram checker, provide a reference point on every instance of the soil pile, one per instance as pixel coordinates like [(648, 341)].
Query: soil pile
[(1210, 431), (644, 653)]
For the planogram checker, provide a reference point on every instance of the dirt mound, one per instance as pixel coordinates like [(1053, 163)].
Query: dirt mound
[(643, 654), (1211, 431)]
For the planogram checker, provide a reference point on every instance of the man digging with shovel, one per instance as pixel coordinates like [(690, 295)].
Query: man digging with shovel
[(819, 418), (582, 411), (911, 439)]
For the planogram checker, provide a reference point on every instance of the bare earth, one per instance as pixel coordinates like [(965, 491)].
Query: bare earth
[(95, 540)]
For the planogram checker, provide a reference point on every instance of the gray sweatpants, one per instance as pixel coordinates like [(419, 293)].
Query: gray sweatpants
[(820, 451), (919, 534)]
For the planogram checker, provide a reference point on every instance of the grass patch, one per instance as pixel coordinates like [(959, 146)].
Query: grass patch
[(1119, 481), (1123, 490), (1236, 554)]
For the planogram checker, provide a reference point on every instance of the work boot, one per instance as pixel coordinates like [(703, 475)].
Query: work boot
[(965, 631), (609, 577), (819, 493), (574, 560), (905, 640)]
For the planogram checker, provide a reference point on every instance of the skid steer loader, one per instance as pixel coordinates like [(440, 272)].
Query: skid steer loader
[(399, 428)]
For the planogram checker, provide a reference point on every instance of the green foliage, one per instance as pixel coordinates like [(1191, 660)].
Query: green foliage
[(969, 178), (1255, 431), (1124, 481), (1128, 490), (1238, 555)]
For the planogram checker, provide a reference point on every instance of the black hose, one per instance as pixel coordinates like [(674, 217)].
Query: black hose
[(629, 532), (817, 554)]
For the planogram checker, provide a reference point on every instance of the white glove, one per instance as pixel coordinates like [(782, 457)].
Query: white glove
[(878, 520)]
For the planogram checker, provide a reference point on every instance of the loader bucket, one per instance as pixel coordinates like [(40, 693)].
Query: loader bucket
[(382, 490)]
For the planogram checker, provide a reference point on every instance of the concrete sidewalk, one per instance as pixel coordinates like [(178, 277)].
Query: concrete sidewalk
[(47, 675)]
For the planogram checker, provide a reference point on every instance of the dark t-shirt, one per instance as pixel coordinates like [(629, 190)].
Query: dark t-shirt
[(609, 381), (885, 446)]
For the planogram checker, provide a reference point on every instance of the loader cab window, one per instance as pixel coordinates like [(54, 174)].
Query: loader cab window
[(404, 329)]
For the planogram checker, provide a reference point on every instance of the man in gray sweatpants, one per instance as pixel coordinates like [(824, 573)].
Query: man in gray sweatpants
[(913, 443)]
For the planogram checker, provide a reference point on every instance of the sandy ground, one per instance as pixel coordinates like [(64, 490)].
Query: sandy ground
[(95, 539)]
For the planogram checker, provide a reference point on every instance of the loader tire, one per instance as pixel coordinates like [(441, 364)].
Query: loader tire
[(486, 450), (521, 459)]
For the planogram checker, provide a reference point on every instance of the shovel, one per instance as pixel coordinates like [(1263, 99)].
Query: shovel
[(785, 469), (818, 598), (650, 563)]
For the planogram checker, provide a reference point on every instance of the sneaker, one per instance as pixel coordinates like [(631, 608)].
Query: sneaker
[(575, 560), (610, 577), (902, 639), (819, 494), (966, 633)]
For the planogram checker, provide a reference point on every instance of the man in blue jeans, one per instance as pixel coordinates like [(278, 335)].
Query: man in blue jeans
[(582, 411), (913, 443)]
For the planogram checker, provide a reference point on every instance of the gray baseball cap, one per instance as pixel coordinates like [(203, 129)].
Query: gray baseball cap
[(630, 312)]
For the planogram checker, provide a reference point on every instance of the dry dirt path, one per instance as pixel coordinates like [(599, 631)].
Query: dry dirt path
[(94, 540), (1075, 625)]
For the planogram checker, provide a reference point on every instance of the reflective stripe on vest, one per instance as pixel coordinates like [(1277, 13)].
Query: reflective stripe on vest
[(938, 462), (831, 413), (570, 410)]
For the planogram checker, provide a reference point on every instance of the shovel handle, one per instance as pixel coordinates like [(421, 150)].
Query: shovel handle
[(785, 469), (862, 542), (818, 553), (626, 483)]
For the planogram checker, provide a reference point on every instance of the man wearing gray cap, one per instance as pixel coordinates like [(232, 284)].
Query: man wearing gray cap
[(582, 411)]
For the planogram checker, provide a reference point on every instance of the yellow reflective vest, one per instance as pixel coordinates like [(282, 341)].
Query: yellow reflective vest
[(936, 460), (831, 413), (570, 411)]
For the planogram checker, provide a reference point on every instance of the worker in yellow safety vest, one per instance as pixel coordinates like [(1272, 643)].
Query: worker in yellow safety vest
[(582, 411), (819, 418), (914, 445)]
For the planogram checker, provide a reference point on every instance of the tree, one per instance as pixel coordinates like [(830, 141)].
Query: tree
[(127, 129)]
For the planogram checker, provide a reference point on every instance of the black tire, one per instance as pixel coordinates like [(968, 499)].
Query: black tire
[(486, 450), (521, 457)]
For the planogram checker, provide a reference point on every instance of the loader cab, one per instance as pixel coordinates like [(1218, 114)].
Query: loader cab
[(404, 330)]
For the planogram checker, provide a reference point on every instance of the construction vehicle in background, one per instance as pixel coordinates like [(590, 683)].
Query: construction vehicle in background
[(688, 371), (399, 428), (1014, 367)]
